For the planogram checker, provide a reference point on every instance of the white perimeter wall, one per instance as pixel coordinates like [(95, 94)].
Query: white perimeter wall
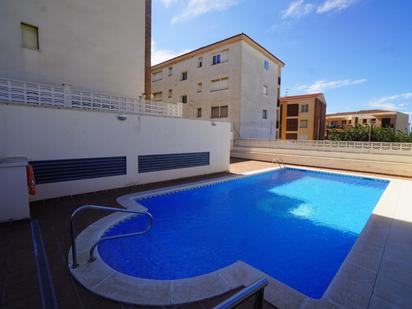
[(47, 133), (90, 44)]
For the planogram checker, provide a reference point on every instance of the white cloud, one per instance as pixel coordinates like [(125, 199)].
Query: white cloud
[(322, 85), (168, 3), (195, 8), (334, 5), (160, 55), (393, 102), (300, 8), (297, 9)]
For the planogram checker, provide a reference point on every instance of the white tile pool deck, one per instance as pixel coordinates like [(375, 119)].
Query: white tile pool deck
[(377, 273)]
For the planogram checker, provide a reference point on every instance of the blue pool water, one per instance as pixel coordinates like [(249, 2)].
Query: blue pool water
[(295, 225)]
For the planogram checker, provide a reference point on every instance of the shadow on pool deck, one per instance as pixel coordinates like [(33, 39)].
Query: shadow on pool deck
[(19, 286)]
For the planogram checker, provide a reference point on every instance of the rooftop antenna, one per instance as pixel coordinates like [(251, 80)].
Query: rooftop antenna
[(286, 92)]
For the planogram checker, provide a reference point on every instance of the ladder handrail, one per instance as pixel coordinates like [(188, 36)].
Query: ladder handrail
[(278, 161), (109, 209), (257, 287)]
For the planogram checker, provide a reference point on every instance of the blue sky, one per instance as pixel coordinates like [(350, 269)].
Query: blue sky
[(358, 52)]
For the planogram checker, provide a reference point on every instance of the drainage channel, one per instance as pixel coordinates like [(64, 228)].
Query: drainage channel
[(48, 296)]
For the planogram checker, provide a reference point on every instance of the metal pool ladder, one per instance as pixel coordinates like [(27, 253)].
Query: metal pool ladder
[(278, 161), (108, 209)]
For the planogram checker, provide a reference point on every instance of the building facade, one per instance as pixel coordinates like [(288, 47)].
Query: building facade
[(378, 118), (302, 117), (88, 44), (234, 80)]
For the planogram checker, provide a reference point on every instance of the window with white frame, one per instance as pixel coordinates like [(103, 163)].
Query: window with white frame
[(29, 36), (170, 71), (221, 57), (183, 75), (265, 114), (220, 84), (170, 93), (303, 124), (266, 65), (157, 76), (157, 96), (304, 108), (265, 90)]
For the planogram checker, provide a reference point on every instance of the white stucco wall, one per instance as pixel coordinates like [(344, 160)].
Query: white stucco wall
[(47, 133), (253, 101), (90, 44)]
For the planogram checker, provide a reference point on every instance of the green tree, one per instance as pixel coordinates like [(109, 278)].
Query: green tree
[(367, 133)]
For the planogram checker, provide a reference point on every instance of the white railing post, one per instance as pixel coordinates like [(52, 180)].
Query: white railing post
[(67, 89)]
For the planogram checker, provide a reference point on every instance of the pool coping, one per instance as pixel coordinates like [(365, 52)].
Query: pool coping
[(357, 269)]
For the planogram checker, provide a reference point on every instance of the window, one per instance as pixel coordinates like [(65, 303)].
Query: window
[(291, 125), (29, 36), (157, 76), (364, 121), (373, 121), (219, 112), (221, 57), (265, 114), (224, 111), (183, 99), (199, 86), (350, 121), (183, 76), (170, 93), (303, 123), (199, 62), (215, 112), (216, 59), (292, 110), (266, 65), (304, 108), (344, 122), (157, 96), (170, 71), (291, 136), (265, 90), (220, 84), (279, 80), (199, 113)]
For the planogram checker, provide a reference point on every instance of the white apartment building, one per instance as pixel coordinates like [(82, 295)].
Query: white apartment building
[(235, 80), (97, 45)]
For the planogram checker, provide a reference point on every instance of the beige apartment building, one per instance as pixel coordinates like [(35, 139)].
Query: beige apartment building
[(235, 80), (302, 117), (376, 117)]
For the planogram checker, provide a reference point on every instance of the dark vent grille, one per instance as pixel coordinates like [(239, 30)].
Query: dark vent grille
[(50, 171), (160, 162)]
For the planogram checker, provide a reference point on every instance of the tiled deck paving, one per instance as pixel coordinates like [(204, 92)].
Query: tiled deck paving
[(392, 285)]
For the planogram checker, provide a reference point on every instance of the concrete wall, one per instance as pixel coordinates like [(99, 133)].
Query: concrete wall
[(253, 100), (90, 44), (400, 165), (402, 122), (48, 133)]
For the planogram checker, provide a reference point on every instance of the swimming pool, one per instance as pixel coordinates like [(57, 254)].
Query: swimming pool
[(295, 225)]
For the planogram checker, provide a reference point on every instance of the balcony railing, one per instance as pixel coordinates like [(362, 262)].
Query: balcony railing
[(36, 94), (326, 145)]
